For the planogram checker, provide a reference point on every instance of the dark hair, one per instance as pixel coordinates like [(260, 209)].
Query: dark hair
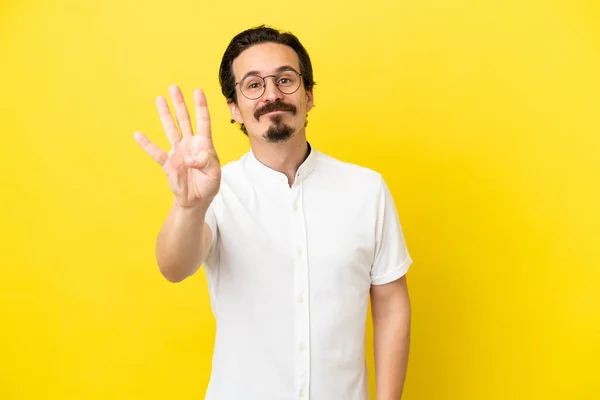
[(251, 37)]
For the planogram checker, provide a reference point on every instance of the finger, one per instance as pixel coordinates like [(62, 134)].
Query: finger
[(158, 154), (206, 161), (202, 116), (167, 122), (183, 117)]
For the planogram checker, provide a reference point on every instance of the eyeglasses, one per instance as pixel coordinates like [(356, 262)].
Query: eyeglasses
[(253, 86)]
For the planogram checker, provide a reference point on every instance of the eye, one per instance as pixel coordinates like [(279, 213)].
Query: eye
[(253, 83), (287, 79)]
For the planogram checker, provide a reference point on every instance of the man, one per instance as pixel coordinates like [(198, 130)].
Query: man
[(294, 243)]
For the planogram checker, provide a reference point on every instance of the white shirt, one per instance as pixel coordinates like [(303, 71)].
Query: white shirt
[(289, 274)]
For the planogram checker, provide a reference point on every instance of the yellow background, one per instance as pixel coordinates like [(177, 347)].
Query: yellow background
[(483, 116)]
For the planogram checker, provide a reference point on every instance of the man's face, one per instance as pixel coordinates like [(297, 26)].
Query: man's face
[(274, 116)]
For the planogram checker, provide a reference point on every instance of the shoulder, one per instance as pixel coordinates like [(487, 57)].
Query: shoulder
[(234, 173), (347, 173), (235, 166), (233, 180)]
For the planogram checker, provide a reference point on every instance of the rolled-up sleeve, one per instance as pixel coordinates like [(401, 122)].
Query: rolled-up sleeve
[(392, 259)]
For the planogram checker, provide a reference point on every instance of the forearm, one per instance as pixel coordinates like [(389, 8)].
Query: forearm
[(391, 346), (182, 243)]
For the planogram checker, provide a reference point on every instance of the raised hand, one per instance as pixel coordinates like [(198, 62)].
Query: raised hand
[(192, 166)]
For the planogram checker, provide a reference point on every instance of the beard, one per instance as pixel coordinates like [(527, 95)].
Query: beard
[(278, 131)]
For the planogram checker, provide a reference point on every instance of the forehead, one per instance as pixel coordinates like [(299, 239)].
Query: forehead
[(264, 58)]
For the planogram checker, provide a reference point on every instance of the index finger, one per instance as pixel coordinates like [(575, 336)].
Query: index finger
[(202, 115)]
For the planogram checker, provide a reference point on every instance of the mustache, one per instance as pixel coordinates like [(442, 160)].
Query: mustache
[(277, 105)]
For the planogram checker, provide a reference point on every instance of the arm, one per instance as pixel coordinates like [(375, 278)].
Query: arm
[(183, 242), (194, 176), (391, 312)]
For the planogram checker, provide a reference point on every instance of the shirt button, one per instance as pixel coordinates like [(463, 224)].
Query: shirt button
[(296, 207), (299, 251), (302, 347), (301, 299), (301, 394)]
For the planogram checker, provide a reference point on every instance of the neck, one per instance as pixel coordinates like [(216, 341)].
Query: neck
[(285, 157)]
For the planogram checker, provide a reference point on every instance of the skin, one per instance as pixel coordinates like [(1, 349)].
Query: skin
[(391, 313), (193, 174), (286, 156)]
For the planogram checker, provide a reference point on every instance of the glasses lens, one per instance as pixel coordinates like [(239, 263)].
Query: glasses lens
[(252, 86), (288, 81)]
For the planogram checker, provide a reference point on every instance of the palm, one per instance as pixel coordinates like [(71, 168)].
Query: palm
[(192, 166), (190, 184)]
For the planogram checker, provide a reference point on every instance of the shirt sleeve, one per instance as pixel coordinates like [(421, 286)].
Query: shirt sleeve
[(211, 221), (392, 258)]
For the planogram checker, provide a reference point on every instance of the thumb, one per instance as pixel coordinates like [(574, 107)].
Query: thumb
[(203, 160)]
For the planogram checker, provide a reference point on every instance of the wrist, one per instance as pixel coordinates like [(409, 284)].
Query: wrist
[(198, 208)]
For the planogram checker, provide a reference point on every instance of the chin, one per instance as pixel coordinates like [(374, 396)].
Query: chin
[(278, 133)]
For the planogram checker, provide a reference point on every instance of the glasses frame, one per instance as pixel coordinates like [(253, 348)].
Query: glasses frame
[(264, 79)]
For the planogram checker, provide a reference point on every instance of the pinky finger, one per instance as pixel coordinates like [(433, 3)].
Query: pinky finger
[(158, 154)]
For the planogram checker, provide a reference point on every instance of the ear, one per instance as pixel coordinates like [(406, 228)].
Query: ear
[(235, 112), (309, 100)]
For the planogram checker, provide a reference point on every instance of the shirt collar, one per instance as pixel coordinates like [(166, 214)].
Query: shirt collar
[(264, 171)]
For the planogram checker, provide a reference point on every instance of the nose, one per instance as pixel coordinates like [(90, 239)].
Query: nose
[(272, 93)]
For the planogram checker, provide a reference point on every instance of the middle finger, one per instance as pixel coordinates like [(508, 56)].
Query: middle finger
[(181, 111), (167, 121)]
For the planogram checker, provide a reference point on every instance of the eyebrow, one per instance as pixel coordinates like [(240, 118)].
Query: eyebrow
[(278, 70)]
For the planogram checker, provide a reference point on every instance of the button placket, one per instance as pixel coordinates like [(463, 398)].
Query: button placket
[(302, 314)]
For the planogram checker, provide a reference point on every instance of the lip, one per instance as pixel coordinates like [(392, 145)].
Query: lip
[(274, 112)]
